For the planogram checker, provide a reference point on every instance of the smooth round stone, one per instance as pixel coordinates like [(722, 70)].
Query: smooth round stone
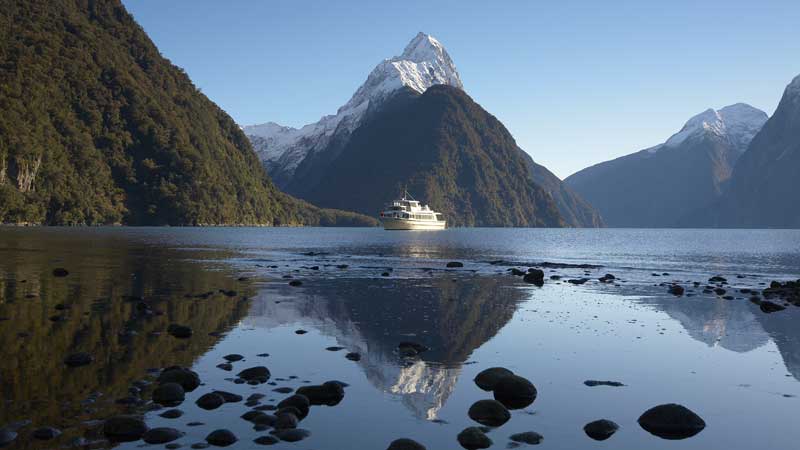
[(187, 378), (298, 401), (473, 438), (124, 428), (210, 401), (233, 357), (171, 414), (489, 412), (291, 435), (515, 392), (488, 379), (405, 444), (266, 440), (161, 435), (600, 430), (671, 421), (528, 437), (221, 438), (169, 394), (228, 396)]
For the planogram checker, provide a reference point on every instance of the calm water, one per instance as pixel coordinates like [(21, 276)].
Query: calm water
[(735, 366)]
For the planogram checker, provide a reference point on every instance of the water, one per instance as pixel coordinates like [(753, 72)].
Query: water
[(735, 366)]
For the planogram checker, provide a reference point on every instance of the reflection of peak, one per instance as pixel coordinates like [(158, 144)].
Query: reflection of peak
[(425, 388)]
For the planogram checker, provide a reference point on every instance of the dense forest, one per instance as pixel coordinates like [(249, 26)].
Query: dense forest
[(98, 128)]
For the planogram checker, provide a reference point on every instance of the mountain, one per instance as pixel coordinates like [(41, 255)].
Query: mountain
[(98, 128), (658, 186), (331, 161), (764, 191)]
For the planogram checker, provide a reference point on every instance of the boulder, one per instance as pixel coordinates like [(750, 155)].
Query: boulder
[(515, 392), (528, 437), (489, 412), (169, 394), (353, 356), (228, 396), (534, 276), (453, 264), (161, 435), (600, 430), (298, 401), (292, 434), (210, 401), (329, 393), (285, 420), (473, 438), (405, 444), (188, 379), (259, 374), (266, 440), (671, 421), (769, 307), (233, 357), (488, 379), (171, 414), (124, 428), (676, 290), (221, 438)]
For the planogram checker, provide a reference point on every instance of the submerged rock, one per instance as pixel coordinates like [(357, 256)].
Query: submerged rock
[(671, 421), (488, 379), (769, 307), (221, 438), (593, 383), (7, 436), (489, 412), (534, 276), (233, 357), (453, 264), (161, 435), (329, 393), (600, 430), (60, 272), (298, 401), (405, 444), (295, 283), (259, 373), (210, 401), (171, 414), (353, 356), (473, 438), (515, 392), (528, 437), (676, 290), (187, 378), (124, 428), (291, 435), (169, 394)]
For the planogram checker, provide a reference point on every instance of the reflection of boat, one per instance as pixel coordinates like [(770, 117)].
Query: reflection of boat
[(408, 214)]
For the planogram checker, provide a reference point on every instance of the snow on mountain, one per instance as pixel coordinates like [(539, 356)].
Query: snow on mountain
[(423, 63), (738, 123)]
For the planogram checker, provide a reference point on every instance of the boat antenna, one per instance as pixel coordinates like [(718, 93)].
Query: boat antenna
[(406, 194)]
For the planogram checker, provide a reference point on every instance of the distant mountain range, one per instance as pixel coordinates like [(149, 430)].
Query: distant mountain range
[(661, 185), (412, 125), (98, 128)]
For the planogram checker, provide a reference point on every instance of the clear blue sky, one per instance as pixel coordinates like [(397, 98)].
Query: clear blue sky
[(576, 83)]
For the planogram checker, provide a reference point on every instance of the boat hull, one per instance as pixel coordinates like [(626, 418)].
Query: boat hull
[(412, 224)]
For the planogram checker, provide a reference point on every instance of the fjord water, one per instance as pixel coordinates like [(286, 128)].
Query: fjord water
[(735, 366)]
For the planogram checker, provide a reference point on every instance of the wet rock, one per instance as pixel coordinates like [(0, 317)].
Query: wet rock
[(228, 396), (199, 445), (593, 383), (301, 402), (78, 359), (769, 307), (329, 393), (291, 435), (488, 379), (233, 357), (161, 435), (283, 390), (255, 397), (60, 272), (225, 366), (410, 349), (473, 438), (719, 291), (46, 433), (600, 430), (676, 290), (300, 332), (266, 440), (717, 279), (405, 444), (334, 348), (295, 283), (7, 436), (258, 374), (285, 420), (221, 438), (124, 428), (489, 412), (179, 331), (169, 394), (210, 401), (607, 278), (187, 378), (171, 414), (453, 264), (515, 392), (578, 280), (671, 421), (353, 356), (534, 276), (264, 419), (516, 272), (528, 437)]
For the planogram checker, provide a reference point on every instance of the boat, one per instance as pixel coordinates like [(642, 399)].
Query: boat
[(408, 214)]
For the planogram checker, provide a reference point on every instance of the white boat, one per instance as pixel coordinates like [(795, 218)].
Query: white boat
[(408, 214)]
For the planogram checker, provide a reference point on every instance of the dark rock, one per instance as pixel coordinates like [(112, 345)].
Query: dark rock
[(225, 366), (187, 378), (298, 401), (161, 435), (171, 414), (717, 279), (516, 272), (7, 436), (221, 438), (334, 348), (60, 272), (600, 430), (258, 373), (607, 278), (385, 274), (409, 349), (169, 394), (452, 264), (719, 291), (283, 390), (286, 420), (295, 283), (210, 401), (769, 307), (264, 419), (266, 440), (578, 280), (593, 383), (78, 359), (353, 356), (534, 276), (291, 435), (676, 290), (405, 444), (514, 392), (233, 357), (300, 332), (179, 331), (329, 393), (473, 438), (488, 379), (124, 428), (671, 421), (46, 433), (489, 412), (528, 437), (228, 396), (199, 445)]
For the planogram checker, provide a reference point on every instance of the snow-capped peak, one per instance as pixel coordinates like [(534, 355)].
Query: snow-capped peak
[(423, 63), (738, 123)]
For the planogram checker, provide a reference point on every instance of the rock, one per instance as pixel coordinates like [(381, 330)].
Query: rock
[(719, 291), (534, 276), (717, 279), (264, 419), (60, 272), (258, 373), (210, 401), (593, 383), (385, 274), (676, 290), (171, 414), (233, 357), (78, 359), (228, 397), (489, 412), (187, 378), (409, 349), (298, 401), (452, 264), (334, 348), (285, 420), (353, 356), (291, 435), (179, 331), (528, 437), (600, 430), (46, 433), (671, 421), (473, 438), (300, 332), (516, 272), (488, 379), (329, 393), (607, 278), (199, 445), (283, 390), (169, 394), (578, 280), (769, 307), (405, 444), (161, 435), (515, 392), (225, 366), (266, 440), (221, 438), (124, 428), (295, 283), (7, 436)]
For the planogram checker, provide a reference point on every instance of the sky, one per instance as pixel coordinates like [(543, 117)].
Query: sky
[(575, 82)]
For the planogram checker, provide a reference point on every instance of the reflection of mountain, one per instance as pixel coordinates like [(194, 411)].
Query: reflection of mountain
[(736, 325), (35, 383), (452, 318)]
